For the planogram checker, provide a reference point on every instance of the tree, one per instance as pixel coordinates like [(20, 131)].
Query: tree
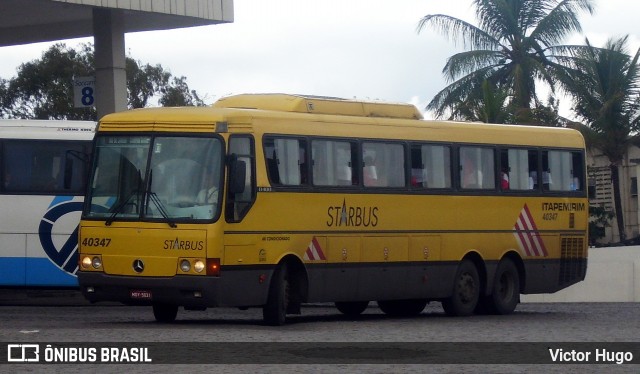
[(43, 87), (145, 82), (605, 86), (178, 94), (491, 107), (599, 219), (513, 46)]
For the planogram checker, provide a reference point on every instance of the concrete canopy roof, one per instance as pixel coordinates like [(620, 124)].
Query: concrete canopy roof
[(31, 21)]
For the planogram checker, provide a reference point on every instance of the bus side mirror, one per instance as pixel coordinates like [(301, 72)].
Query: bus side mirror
[(237, 175)]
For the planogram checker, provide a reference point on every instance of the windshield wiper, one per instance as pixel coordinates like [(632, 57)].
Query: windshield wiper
[(158, 203), (161, 208), (120, 206)]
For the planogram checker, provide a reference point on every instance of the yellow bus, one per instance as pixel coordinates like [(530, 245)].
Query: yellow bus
[(274, 201)]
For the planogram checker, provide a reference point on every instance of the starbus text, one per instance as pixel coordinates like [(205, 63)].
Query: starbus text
[(352, 216)]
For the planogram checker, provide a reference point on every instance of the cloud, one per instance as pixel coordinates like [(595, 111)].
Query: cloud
[(355, 48)]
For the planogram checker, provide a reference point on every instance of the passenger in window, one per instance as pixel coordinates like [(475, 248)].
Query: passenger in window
[(504, 179), (418, 172), (471, 178), (546, 179), (369, 172), (419, 177)]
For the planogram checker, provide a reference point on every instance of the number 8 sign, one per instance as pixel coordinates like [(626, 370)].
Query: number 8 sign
[(83, 91)]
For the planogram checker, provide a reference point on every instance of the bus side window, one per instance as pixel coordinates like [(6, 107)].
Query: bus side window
[(564, 171), (44, 167), (382, 163), (518, 169), (430, 166), (477, 168), (286, 161), (333, 162), (239, 203)]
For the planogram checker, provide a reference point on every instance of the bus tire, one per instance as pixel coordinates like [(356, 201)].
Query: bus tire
[(352, 308), (466, 291), (402, 308), (165, 313), (275, 311), (505, 293)]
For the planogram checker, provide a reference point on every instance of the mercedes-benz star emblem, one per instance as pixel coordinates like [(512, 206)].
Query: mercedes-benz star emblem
[(138, 266)]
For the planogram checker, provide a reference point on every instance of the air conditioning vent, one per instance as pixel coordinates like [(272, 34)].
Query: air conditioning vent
[(573, 260)]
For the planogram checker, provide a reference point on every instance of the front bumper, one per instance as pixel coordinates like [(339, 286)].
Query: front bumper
[(235, 288)]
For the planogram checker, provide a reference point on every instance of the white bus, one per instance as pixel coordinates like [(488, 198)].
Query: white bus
[(43, 166)]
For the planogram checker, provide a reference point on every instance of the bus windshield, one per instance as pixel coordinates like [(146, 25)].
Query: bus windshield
[(165, 178)]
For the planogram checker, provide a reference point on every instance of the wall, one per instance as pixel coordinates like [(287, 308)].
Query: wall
[(599, 171), (613, 275)]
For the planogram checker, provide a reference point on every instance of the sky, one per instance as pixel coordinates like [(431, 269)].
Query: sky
[(362, 49)]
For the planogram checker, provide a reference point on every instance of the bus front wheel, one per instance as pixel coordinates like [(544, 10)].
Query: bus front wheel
[(165, 313), (466, 291), (275, 311), (352, 308)]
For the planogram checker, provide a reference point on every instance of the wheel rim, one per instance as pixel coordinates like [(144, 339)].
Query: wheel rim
[(466, 288)]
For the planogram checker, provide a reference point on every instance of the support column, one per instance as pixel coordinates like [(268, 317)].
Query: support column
[(111, 79)]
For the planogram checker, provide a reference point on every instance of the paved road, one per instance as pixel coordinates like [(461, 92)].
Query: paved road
[(568, 325)]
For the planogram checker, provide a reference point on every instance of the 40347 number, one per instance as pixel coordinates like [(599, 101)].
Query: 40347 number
[(96, 242)]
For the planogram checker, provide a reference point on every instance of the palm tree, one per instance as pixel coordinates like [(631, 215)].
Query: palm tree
[(605, 86), (512, 47), (491, 107)]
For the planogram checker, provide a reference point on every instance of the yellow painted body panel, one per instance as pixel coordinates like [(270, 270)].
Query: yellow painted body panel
[(159, 246), (410, 228)]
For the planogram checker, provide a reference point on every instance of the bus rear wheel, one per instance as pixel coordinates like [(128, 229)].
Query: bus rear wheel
[(466, 291), (275, 311), (402, 308), (165, 313), (352, 308), (506, 288)]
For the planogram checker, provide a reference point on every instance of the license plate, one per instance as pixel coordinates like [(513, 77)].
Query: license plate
[(140, 294)]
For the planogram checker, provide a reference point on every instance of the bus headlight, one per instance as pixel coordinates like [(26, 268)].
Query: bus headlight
[(198, 266), (185, 266), (88, 262)]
